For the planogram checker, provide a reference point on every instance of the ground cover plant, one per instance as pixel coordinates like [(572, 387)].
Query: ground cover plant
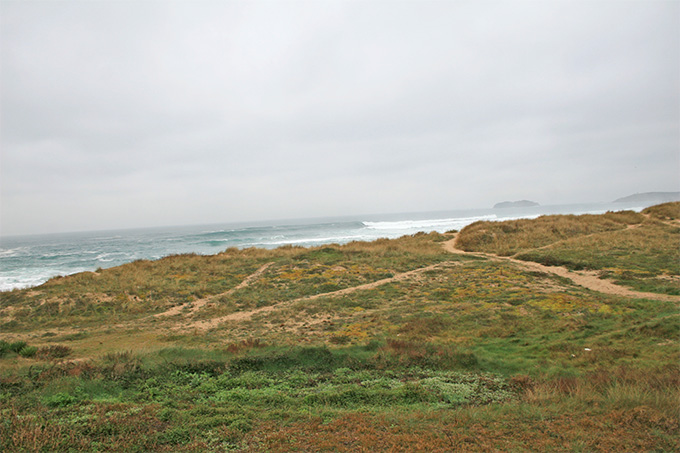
[(394, 345)]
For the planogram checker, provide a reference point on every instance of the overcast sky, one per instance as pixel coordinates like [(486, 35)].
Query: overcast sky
[(144, 113)]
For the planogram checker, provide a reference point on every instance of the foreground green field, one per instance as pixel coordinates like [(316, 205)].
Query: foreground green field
[(394, 345)]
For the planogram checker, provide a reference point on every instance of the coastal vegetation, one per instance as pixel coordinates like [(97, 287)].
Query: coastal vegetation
[(639, 250), (392, 345)]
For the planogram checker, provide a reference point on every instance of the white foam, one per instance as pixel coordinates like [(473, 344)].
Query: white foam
[(504, 219), (59, 254), (9, 283), (31, 279), (104, 257), (426, 225), (326, 240), (9, 253)]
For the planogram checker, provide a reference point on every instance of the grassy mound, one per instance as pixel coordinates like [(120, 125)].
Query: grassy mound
[(665, 211), (630, 248), (515, 236)]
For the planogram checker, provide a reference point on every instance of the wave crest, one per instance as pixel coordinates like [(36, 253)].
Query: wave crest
[(426, 225)]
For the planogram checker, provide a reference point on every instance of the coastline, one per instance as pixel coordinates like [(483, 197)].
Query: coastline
[(29, 261)]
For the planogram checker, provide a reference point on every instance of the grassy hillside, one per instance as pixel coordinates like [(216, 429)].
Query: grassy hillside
[(394, 345), (641, 251)]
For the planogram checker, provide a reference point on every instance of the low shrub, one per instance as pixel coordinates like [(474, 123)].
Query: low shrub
[(61, 399), (405, 354), (309, 358), (17, 346), (53, 352), (28, 351), (248, 343)]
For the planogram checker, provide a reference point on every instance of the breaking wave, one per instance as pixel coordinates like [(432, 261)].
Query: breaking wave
[(439, 225)]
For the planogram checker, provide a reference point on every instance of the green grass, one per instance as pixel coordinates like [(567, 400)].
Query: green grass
[(181, 399), (191, 391)]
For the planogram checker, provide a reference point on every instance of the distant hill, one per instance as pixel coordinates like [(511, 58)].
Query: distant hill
[(515, 204), (650, 197)]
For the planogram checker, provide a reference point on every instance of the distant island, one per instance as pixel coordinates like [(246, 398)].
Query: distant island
[(515, 204), (650, 197)]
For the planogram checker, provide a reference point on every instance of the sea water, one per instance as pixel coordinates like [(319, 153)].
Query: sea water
[(27, 261)]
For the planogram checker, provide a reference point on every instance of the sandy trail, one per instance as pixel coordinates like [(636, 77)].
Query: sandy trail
[(244, 315), (199, 303), (583, 278)]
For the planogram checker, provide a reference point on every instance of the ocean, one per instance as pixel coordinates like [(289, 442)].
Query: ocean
[(27, 261)]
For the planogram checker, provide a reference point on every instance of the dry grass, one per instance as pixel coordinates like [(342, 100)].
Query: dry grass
[(514, 236), (665, 211)]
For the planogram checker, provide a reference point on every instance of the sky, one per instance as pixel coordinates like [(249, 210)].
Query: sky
[(121, 114)]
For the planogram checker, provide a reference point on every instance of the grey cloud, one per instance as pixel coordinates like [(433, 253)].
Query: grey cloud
[(157, 112)]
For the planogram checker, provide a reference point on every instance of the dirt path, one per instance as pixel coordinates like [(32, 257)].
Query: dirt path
[(586, 279), (199, 303), (244, 315)]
